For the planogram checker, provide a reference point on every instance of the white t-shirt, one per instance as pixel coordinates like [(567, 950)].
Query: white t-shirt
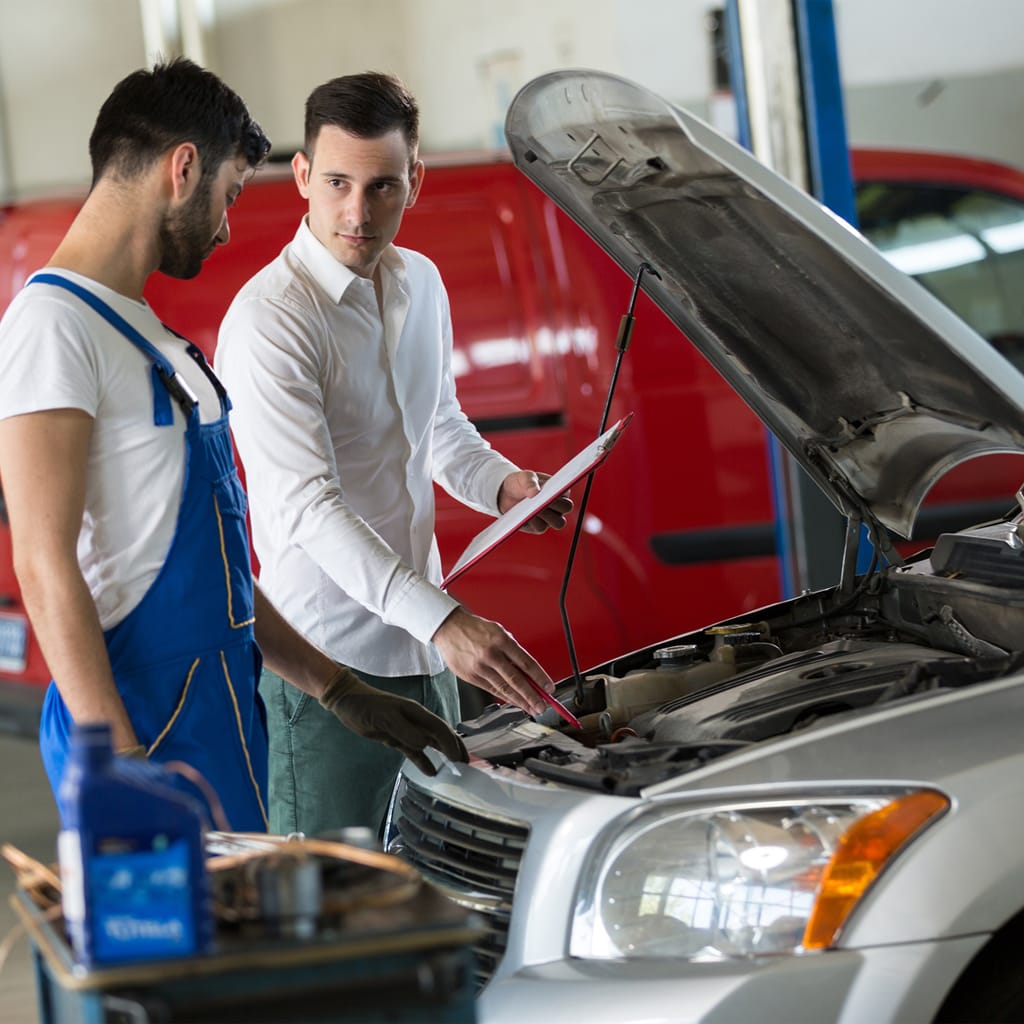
[(58, 353)]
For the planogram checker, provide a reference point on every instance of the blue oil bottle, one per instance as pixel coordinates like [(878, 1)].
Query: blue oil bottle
[(131, 855)]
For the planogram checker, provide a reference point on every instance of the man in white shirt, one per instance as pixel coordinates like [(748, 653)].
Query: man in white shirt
[(127, 518), (337, 356)]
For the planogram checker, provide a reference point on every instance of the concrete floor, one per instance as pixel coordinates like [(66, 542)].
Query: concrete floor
[(28, 820)]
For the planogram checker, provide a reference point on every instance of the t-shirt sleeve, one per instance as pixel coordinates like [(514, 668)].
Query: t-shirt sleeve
[(47, 358)]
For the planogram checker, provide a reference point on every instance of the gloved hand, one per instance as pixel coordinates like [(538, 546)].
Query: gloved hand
[(395, 721)]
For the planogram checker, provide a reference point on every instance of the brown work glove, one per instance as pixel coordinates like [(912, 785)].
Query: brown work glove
[(395, 721)]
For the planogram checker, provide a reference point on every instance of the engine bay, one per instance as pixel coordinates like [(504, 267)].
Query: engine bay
[(902, 634)]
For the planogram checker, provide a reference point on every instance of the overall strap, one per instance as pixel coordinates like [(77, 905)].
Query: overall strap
[(201, 361), (167, 383)]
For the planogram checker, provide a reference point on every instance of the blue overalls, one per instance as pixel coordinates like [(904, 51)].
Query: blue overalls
[(185, 659)]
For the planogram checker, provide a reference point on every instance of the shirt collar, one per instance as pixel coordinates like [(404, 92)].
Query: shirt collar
[(334, 277)]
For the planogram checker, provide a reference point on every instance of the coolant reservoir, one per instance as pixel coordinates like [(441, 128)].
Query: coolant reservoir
[(742, 644), (681, 670)]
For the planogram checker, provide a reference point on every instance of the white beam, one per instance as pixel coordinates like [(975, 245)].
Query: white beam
[(774, 104)]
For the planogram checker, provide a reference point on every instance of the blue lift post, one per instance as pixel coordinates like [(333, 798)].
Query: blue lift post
[(809, 531)]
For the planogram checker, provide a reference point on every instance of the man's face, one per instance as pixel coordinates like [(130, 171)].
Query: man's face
[(358, 191), (191, 232)]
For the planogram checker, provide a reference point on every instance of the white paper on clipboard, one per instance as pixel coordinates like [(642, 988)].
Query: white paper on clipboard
[(554, 487)]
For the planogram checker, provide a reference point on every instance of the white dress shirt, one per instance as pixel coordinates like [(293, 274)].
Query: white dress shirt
[(342, 422)]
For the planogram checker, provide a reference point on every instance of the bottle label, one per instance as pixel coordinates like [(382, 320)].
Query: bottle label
[(69, 854), (140, 902)]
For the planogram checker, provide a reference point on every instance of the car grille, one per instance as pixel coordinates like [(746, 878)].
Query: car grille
[(474, 859)]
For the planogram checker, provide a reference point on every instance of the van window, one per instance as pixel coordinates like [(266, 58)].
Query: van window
[(966, 246)]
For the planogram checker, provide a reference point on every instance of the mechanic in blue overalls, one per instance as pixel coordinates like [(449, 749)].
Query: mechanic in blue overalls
[(127, 517)]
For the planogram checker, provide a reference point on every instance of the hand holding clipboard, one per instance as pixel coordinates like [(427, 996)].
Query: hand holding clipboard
[(554, 487)]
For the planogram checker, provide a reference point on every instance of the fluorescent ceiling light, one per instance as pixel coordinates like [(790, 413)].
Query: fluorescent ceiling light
[(1005, 237), (941, 254)]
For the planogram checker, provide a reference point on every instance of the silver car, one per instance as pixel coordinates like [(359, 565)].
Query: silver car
[(811, 812)]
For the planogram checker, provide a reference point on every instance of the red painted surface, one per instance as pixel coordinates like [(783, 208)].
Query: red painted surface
[(894, 165), (536, 308)]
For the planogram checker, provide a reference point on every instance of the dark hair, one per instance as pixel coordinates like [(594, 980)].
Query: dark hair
[(366, 105), (150, 112)]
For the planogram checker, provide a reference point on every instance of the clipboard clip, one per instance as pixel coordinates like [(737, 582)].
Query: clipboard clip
[(613, 435)]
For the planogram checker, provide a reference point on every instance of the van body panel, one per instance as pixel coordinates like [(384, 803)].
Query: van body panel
[(674, 534)]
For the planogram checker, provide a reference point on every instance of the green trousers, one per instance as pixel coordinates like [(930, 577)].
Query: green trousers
[(324, 776)]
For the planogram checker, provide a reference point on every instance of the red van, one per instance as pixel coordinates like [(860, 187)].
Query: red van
[(682, 537)]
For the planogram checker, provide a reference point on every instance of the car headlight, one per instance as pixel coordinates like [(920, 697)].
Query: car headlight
[(745, 880)]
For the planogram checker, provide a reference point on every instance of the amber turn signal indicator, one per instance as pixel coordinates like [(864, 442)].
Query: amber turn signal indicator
[(861, 854)]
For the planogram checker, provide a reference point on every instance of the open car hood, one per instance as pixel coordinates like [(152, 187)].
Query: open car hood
[(872, 383)]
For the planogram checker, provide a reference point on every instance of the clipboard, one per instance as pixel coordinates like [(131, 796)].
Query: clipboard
[(554, 487)]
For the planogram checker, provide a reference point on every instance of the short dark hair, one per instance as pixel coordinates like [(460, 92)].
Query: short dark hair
[(366, 105), (151, 111)]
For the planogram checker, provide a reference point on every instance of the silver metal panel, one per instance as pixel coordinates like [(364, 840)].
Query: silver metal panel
[(873, 384)]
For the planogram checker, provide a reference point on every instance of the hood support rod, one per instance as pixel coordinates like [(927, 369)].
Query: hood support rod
[(621, 344), (851, 545)]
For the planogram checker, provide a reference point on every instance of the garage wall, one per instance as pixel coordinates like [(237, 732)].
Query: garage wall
[(977, 115), (939, 74), (58, 60), (943, 74), (488, 50), (274, 54)]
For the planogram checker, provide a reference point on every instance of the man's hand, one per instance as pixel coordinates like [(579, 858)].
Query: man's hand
[(484, 654), (394, 721), (525, 484)]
